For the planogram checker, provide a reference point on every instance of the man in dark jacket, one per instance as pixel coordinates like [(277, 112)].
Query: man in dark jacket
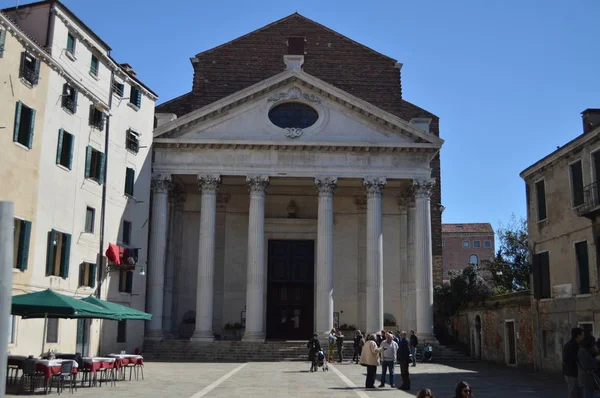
[(314, 346), (570, 362), (403, 358), (414, 342)]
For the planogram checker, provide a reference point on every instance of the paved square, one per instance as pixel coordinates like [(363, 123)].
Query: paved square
[(292, 379)]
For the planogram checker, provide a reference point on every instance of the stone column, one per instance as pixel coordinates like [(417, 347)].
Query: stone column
[(423, 258), (374, 190), (206, 258), (155, 281), (255, 283), (176, 246), (411, 305), (324, 278), (403, 202)]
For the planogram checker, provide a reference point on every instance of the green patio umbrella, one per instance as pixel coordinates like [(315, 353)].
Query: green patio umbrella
[(123, 312), (49, 304)]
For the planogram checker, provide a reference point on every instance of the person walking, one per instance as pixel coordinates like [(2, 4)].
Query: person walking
[(569, 362), (359, 342), (331, 346), (340, 345), (369, 357), (588, 361), (390, 351), (314, 346), (414, 342), (403, 359)]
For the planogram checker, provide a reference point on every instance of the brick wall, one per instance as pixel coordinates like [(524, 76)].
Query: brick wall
[(457, 257)]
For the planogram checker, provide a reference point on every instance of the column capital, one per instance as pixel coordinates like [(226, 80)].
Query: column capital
[(326, 185), (161, 183), (423, 187), (257, 183), (209, 182), (374, 186)]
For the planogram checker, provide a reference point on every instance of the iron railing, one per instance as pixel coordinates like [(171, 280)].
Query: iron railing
[(591, 198)]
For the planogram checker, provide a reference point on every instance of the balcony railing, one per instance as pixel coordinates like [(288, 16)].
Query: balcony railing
[(591, 199), (69, 104)]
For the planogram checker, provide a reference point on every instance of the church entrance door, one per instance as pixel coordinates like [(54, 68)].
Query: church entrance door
[(290, 289)]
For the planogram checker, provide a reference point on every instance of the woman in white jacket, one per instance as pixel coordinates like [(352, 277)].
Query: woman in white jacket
[(369, 357)]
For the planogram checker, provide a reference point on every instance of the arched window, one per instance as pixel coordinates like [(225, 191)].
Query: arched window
[(293, 115), (474, 259)]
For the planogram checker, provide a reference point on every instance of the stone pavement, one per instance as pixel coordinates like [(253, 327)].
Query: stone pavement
[(292, 379)]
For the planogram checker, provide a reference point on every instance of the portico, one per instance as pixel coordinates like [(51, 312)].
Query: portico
[(250, 185)]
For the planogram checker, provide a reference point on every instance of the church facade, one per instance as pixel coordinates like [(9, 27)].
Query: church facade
[(293, 189)]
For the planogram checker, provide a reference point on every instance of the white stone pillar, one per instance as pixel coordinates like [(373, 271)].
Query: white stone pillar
[(423, 258), (155, 281), (374, 190), (206, 258), (411, 305), (403, 249), (324, 278), (255, 283)]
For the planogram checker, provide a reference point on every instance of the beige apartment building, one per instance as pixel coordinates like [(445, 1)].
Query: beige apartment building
[(563, 209)]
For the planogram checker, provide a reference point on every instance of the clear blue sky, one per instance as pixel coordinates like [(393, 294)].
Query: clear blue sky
[(508, 78)]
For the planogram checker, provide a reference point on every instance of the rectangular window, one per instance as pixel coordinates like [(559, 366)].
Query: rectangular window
[(30, 68), (52, 331), (581, 253), (94, 65), (2, 41), (541, 275), (64, 150), (118, 89), (466, 243), (588, 328), (129, 181), (24, 125), (540, 191), (12, 329), (487, 244), (476, 243), (135, 97), (90, 217), (122, 331), (132, 142), (69, 98), (71, 44), (576, 183), (126, 232), (97, 118), (125, 281), (22, 234), (94, 165), (87, 275), (58, 254)]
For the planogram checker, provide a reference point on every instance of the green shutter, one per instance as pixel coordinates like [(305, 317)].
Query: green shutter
[(88, 161), (36, 72), (75, 96), (101, 167), (92, 282), (71, 145), (138, 97), (31, 128), (129, 181), (581, 254), (24, 244), (22, 66), (2, 41), (91, 117), (102, 121), (61, 133), (66, 256), (50, 253), (17, 121)]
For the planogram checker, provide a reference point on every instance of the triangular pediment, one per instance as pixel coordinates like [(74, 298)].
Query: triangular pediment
[(342, 118)]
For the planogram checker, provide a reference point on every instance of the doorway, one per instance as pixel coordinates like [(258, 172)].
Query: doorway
[(511, 346), (290, 289), (83, 337)]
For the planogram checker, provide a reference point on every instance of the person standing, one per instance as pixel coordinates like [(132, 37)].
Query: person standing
[(403, 359), (340, 345), (414, 342), (314, 346), (369, 357), (359, 342), (588, 361), (390, 351), (569, 364), (331, 346)]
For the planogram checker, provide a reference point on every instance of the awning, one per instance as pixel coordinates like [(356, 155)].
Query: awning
[(123, 312)]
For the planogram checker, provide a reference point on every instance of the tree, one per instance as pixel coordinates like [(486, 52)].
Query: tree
[(510, 269), (465, 285)]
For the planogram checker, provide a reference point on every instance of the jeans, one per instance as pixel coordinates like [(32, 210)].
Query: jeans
[(385, 365), (588, 392), (371, 371), (341, 352), (572, 386), (413, 352)]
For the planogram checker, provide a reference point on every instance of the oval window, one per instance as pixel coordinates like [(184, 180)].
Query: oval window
[(293, 115)]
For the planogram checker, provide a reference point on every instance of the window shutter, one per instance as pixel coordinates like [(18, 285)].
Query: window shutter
[(59, 146), (91, 117), (129, 280), (66, 256), (535, 267), (17, 121), (92, 282), (22, 66), (138, 97), (50, 252), (72, 145), (581, 253), (75, 95), (31, 128), (545, 275), (102, 120), (36, 72), (88, 161), (101, 167), (2, 41), (24, 247)]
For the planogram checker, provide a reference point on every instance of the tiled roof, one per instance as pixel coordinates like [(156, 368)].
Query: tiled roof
[(470, 228)]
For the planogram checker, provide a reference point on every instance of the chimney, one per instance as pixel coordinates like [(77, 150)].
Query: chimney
[(128, 69), (591, 119)]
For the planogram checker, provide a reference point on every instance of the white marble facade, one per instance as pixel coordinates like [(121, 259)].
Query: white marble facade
[(356, 183)]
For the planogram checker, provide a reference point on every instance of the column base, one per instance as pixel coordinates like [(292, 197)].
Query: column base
[(203, 337), (155, 335), (254, 337)]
